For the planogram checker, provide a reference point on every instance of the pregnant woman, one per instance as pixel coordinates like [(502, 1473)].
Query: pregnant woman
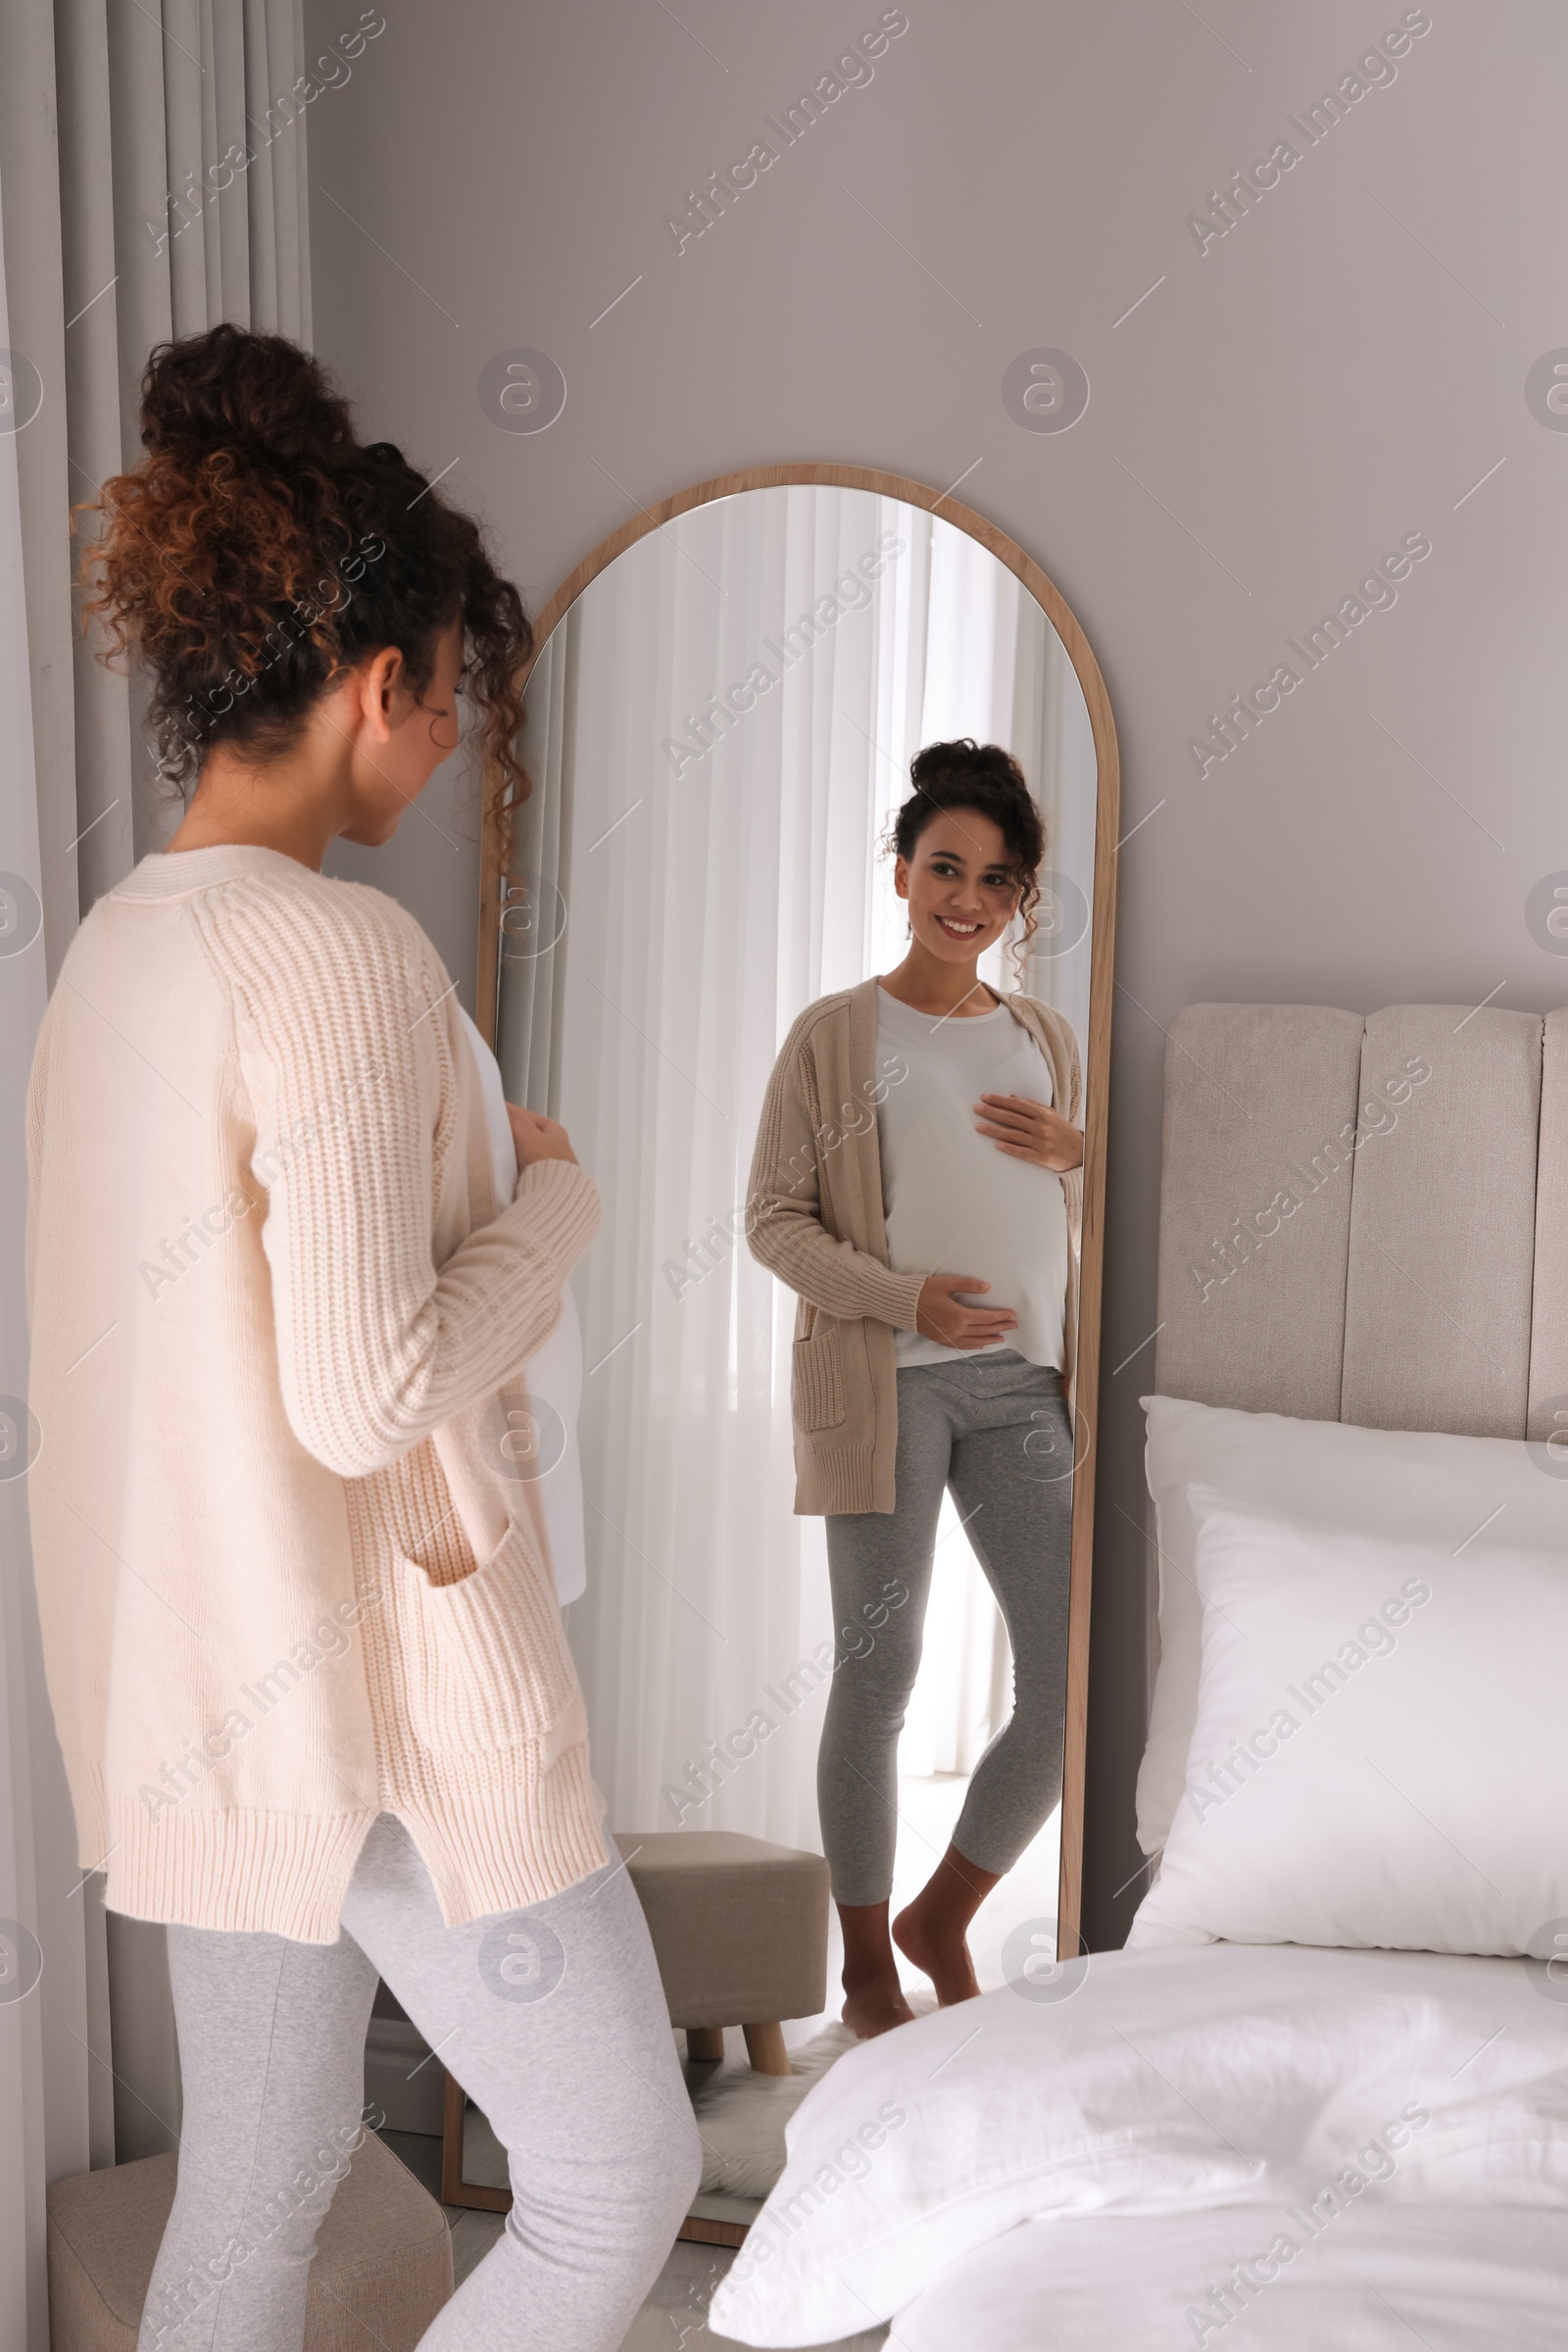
[(306, 1662), (917, 1181)]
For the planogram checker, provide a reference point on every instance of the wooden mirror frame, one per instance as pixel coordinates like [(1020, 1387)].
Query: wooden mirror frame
[(495, 852)]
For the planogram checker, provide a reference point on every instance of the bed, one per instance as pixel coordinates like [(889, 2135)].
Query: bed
[(1321, 2097)]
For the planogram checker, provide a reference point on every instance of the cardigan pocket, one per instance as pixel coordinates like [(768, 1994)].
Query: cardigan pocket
[(819, 1378), (485, 1662)]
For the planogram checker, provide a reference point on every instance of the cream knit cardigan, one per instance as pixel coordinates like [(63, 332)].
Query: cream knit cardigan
[(288, 1575), (814, 1216)]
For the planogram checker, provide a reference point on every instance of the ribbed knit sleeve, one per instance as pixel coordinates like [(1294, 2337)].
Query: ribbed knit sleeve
[(346, 1036), (784, 1223)]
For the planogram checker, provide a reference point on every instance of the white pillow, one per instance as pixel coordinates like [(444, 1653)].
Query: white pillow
[(1380, 1719), (1380, 1481)]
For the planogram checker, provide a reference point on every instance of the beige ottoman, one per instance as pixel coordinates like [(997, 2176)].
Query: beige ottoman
[(382, 2268), (740, 1931)]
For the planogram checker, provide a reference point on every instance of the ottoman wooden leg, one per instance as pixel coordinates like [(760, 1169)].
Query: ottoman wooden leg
[(765, 2048), (706, 2043)]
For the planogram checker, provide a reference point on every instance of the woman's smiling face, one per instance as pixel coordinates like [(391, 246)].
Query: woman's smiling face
[(960, 895)]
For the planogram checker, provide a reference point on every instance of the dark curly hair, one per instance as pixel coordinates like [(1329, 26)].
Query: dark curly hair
[(988, 779), (259, 549)]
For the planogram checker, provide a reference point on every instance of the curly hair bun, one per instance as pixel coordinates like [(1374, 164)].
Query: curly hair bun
[(258, 550), (986, 763), (229, 389)]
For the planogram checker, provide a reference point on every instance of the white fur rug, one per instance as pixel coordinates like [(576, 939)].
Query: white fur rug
[(741, 2115)]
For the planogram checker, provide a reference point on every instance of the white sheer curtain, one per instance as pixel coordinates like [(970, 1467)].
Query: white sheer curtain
[(704, 910), (44, 2020), (996, 670)]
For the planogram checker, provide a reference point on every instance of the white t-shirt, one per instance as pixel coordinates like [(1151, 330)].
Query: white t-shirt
[(554, 1374), (955, 1202)]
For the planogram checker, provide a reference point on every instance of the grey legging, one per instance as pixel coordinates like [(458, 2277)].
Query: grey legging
[(996, 1429), (553, 2019)]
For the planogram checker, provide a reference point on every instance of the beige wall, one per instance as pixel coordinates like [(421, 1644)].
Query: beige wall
[(1332, 374)]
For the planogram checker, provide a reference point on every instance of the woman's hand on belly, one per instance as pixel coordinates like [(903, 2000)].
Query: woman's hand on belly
[(940, 1316), (1032, 1131)]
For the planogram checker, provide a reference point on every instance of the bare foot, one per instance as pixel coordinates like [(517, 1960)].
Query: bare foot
[(874, 2002), (937, 1946), (875, 2007)]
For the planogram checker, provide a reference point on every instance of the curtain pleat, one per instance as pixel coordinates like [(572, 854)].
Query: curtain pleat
[(159, 156), (36, 325), (101, 770)]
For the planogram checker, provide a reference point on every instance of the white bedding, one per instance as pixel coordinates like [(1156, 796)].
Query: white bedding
[(1386, 2278), (1175, 2102)]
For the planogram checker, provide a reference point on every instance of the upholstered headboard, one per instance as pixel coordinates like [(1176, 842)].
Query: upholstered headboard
[(1365, 1218)]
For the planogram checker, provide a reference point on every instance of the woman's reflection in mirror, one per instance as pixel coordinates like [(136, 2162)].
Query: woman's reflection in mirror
[(934, 1347)]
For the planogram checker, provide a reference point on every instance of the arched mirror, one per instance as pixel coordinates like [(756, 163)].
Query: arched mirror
[(721, 715)]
